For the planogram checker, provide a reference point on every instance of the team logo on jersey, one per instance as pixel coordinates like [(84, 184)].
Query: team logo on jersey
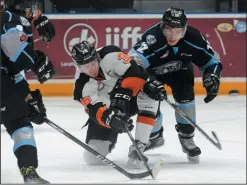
[(150, 39), (168, 67), (77, 33), (100, 86)]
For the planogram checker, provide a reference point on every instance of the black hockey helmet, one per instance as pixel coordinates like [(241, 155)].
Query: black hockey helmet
[(83, 53), (174, 17)]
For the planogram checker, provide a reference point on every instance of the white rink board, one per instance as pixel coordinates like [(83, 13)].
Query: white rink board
[(141, 16)]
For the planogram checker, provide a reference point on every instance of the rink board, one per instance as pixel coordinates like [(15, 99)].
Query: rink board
[(65, 87), (225, 32)]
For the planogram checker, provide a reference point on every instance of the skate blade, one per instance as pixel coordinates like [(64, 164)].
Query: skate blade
[(153, 148), (35, 182), (193, 160)]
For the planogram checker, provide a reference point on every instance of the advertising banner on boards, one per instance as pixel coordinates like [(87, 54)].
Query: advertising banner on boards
[(226, 34)]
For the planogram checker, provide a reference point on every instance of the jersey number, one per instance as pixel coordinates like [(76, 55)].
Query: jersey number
[(209, 46), (143, 47), (86, 101), (123, 57)]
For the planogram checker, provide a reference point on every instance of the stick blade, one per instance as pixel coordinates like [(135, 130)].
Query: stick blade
[(157, 167), (218, 141)]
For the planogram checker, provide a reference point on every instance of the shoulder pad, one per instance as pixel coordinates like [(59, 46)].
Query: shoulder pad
[(150, 36), (4, 17), (108, 49), (195, 36)]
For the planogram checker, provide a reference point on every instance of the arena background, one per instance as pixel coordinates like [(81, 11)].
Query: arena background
[(226, 33)]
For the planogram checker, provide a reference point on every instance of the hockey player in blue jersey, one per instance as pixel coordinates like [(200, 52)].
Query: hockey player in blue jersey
[(169, 50), (19, 105)]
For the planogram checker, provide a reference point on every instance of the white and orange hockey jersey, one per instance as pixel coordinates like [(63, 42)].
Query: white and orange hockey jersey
[(93, 93)]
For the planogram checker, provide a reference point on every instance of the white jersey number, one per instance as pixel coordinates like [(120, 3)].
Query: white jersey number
[(143, 47)]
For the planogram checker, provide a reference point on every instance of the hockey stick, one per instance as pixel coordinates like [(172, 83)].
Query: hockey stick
[(181, 113), (38, 39), (153, 173), (98, 155)]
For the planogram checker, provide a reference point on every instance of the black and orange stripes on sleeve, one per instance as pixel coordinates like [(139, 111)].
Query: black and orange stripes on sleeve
[(134, 78)]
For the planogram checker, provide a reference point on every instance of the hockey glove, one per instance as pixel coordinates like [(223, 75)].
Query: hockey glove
[(45, 28), (155, 90), (36, 107), (43, 68), (117, 120), (211, 82), (120, 99)]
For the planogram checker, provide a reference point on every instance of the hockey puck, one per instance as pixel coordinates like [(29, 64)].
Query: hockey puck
[(233, 92)]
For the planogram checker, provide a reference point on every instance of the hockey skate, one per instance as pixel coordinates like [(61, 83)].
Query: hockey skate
[(134, 160), (156, 140), (189, 147), (31, 177)]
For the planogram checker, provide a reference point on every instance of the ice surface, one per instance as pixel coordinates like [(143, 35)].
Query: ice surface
[(60, 159)]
